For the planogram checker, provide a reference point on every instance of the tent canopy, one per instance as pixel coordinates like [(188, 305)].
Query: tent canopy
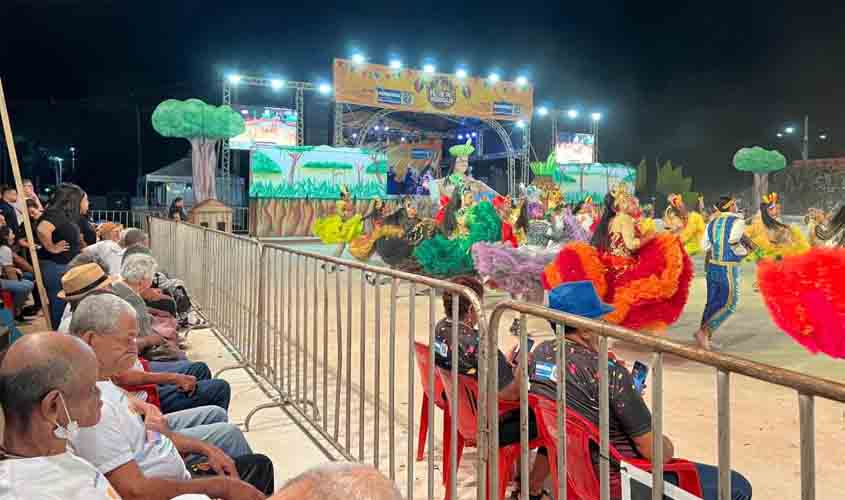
[(178, 171)]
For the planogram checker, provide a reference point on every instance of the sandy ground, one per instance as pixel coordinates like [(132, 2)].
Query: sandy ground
[(764, 417)]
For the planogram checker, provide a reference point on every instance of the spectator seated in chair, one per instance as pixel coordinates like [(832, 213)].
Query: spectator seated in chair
[(108, 249), (13, 278), (48, 391), (630, 417), (143, 457), (339, 481), (182, 384)]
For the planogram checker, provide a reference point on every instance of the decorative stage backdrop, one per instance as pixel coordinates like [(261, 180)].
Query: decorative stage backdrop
[(577, 181), (412, 166), (574, 148), (317, 172), (265, 126)]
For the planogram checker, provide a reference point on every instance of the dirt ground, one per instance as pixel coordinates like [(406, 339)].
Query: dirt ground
[(764, 417)]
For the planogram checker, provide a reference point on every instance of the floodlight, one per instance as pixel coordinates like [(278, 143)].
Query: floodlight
[(521, 81), (460, 137), (324, 88), (494, 77), (376, 128), (358, 58), (474, 134), (234, 79), (542, 111), (789, 130), (403, 138), (596, 116), (520, 124), (461, 73), (428, 68), (244, 112), (572, 113), (823, 137), (276, 84), (396, 64)]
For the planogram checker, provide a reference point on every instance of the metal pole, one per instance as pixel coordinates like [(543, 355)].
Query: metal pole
[(805, 150), (657, 427), (604, 421), (808, 447), (723, 410)]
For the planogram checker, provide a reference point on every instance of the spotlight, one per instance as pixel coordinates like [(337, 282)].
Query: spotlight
[(376, 128), (789, 130), (596, 116), (324, 88), (572, 113), (494, 77), (474, 134), (244, 112), (358, 58), (780, 135), (521, 81), (520, 124), (277, 84), (396, 64), (823, 137), (234, 79), (542, 111), (403, 138), (428, 68), (461, 73), (386, 128), (460, 137), (355, 135)]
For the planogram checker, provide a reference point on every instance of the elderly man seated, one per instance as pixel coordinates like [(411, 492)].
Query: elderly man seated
[(48, 390), (181, 384), (142, 457), (108, 249), (340, 481)]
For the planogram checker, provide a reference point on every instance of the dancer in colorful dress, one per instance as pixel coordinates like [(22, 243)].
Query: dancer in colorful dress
[(725, 246), (832, 234), (645, 277), (341, 227), (688, 226), (771, 237), (587, 214), (363, 247)]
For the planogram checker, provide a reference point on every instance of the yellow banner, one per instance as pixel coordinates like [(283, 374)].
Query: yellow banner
[(413, 90)]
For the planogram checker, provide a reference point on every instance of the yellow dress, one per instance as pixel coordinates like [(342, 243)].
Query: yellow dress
[(693, 233), (775, 243), (334, 229), (647, 226)]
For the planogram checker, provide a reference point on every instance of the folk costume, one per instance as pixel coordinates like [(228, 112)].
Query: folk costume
[(341, 227)]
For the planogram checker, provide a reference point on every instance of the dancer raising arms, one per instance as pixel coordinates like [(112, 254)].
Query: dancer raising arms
[(341, 227)]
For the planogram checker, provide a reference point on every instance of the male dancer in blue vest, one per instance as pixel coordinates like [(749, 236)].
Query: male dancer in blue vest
[(724, 250)]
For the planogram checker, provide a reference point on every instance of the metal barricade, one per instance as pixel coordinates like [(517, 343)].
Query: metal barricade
[(334, 339), (117, 216), (806, 388)]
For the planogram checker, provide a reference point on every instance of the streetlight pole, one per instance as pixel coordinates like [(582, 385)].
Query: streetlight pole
[(805, 150)]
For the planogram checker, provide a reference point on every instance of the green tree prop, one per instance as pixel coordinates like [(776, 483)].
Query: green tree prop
[(336, 169), (203, 125), (761, 162), (264, 165), (379, 169), (295, 154), (642, 177), (670, 179)]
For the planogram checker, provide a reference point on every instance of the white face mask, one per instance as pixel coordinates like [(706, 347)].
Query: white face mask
[(69, 433)]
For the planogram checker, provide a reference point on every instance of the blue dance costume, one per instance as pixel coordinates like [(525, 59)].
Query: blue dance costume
[(722, 240)]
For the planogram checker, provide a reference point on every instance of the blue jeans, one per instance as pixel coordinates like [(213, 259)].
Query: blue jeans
[(209, 424), (52, 274), (708, 476), (20, 290), (198, 369), (214, 392)]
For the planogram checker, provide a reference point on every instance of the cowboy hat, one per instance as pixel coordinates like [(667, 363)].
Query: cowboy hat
[(79, 281)]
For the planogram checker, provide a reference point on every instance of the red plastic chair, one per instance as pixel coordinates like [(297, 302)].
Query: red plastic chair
[(467, 405), (437, 394), (581, 477)]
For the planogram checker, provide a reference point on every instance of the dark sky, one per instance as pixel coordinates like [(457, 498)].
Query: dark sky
[(689, 83)]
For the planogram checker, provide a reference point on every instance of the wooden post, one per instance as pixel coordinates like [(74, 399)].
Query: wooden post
[(30, 237)]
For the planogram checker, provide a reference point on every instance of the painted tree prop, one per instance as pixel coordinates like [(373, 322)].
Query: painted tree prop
[(670, 179), (642, 177), (336, 169), (761, 162), (295, 153), (203, 125)]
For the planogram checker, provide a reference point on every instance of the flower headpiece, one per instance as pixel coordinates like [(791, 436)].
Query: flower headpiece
[(771, 199), (676, 200)]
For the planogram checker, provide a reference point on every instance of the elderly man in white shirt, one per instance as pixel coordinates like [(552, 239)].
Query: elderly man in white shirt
[(108, 249), (48, 390), (142, 458)]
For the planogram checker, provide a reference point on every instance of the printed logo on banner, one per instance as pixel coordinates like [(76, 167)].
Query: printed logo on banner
[(441, 93), (545, 371)]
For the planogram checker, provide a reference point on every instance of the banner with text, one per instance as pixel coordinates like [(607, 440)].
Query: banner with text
[(416, 91)]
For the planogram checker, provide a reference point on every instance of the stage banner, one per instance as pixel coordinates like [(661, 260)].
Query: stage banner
[(317, 172), (579, 180), (265, 126), (574, 148), (415, 91)]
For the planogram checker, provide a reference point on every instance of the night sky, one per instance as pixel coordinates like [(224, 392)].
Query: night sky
[(687, 83)]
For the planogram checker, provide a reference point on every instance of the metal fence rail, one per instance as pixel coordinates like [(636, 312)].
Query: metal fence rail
[(137, 217), (335, 340)]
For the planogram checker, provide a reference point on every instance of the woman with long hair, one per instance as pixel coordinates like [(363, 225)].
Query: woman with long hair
[(771, 237), (58, 234)]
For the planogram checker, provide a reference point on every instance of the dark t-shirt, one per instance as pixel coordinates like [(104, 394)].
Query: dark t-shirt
[(65, 230), (467, 352), (629, 415), (89, 234), (11, 216)]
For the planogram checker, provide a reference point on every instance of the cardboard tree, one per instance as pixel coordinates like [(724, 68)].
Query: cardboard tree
[(203, 125), (761, 162)]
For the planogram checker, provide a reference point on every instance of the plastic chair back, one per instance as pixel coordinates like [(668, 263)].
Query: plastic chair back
[(437, 392)]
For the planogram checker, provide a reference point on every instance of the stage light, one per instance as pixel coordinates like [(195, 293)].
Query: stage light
[(494, 77), (520, 124), (461, 73), (542, 111), (396, 64), (460, 137), (324, 88), (521, 81), (355, 135), (403, 138), (358, 58), (596, 116), (276, 84), (234, 79), (386, 128), (789, 130), (474, 134), (244, 112), (572, 113), (428, 68), (823, 137), (780, 135), (376, 128)]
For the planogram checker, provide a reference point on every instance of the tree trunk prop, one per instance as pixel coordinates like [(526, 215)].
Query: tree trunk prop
[(761, 188), (204, 168)]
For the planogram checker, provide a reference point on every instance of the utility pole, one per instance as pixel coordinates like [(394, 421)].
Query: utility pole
[(805, 150), (140, 169)]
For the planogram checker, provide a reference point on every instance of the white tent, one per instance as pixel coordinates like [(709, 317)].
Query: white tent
[(175, 181)]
